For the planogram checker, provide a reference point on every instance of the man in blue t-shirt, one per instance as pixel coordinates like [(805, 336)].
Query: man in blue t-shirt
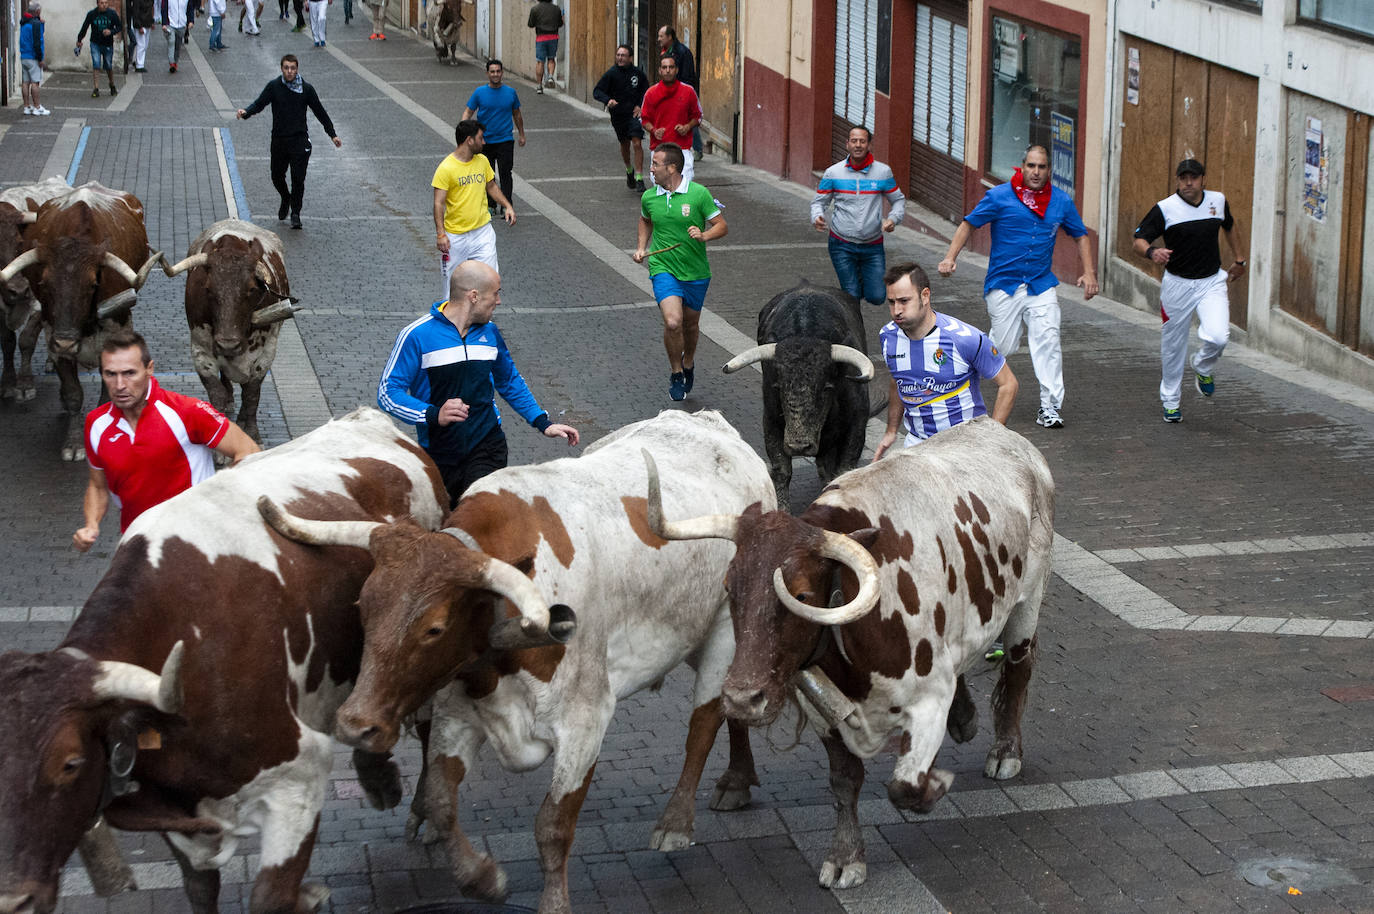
[(1026, 214), (936, 362), (498, 108)]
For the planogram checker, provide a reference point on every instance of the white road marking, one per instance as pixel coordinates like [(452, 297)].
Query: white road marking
[(218, 97)]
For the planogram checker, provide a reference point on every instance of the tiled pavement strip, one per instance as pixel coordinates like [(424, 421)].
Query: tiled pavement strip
[(892, 886)]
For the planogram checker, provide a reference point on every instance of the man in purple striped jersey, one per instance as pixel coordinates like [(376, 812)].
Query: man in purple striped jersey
[(937, 363)]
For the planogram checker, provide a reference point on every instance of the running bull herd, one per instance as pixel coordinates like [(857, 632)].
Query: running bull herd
[(519, 619)]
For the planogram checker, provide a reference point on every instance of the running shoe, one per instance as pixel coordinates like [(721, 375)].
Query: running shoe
[(677, 386), (28, 109), (1205, 385), (1048, 417), (690, 375), (41, 111), (1172, 415)]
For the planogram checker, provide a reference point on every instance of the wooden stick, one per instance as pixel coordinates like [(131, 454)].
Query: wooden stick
[(662, 250)]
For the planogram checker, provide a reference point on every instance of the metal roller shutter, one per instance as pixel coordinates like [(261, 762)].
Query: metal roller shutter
[(939, 103), (856, 49)]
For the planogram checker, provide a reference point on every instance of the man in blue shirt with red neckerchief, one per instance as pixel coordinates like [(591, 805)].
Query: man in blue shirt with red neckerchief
[(1026, 214)]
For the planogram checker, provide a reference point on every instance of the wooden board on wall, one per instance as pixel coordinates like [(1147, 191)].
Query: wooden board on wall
[(592, 50), (1188, 122), (1231, 164), (1147, 161), (717, 55)]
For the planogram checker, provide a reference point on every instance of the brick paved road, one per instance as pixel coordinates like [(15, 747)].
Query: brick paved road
[(1212, 577)]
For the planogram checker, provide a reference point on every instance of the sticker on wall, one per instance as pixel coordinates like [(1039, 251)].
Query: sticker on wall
[(1314, 171), (1133, 77), (1061, 152)]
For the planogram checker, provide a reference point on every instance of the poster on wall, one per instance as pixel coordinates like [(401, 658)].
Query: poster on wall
[(1133, 77), (1314, 171), (1007, 64), (1061, 152)]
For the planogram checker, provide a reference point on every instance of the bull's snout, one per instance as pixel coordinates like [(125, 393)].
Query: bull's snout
[(29, 900), (798, 447), (923, 795), (364, 731), (747, 704), (63, 347), (228, 345)]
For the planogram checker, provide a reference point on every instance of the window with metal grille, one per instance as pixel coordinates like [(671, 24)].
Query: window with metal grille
[(856, 48), (941, 82)]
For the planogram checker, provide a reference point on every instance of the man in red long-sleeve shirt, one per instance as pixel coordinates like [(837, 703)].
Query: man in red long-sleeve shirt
[(670, 112)]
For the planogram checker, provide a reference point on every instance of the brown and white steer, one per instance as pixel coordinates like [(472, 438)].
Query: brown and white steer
[(270, 643), (578, 528), (936, 550), (86, 257), (237, 295), (21, 320)]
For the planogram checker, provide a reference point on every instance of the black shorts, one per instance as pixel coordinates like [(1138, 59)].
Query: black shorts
[(487, 456), (627, 128)]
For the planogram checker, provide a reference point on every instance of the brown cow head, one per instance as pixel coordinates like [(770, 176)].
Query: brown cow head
[(70, 727), (229, 286), (15, 293), (429, 607), (779, 584)]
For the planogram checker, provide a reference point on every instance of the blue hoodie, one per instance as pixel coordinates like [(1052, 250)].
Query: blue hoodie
[(31, 38)]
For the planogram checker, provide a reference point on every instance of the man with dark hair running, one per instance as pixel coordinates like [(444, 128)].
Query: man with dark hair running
[(289, 97)]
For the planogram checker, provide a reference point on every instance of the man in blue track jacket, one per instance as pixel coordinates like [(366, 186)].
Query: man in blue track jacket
[(442, 376)]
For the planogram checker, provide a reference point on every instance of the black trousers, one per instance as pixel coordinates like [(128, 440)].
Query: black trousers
[(502, 157), (300, 13), (281, 5), (290, 152), (487, 456)]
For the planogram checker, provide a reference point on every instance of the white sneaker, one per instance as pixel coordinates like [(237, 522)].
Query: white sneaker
[(28, 109), (42, 111)]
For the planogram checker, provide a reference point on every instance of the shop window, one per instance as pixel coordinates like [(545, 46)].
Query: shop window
[(1347, 15), (1034, 99)]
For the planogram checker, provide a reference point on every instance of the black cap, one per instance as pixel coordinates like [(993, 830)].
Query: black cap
[(1190, 167)]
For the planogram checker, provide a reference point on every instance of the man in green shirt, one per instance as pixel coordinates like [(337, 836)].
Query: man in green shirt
[(676, 219)]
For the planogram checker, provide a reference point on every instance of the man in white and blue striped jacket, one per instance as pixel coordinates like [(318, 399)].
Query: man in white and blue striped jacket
[(857, 186), (442, 377)]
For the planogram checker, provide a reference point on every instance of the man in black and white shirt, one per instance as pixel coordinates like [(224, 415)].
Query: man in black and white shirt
[(1194, 281)]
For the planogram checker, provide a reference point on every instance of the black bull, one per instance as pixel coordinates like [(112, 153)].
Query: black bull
[(815, 382)]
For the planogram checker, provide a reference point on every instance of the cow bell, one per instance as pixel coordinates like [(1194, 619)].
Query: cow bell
[(116, 304), (515, 634), (266, 317), (826, 697)]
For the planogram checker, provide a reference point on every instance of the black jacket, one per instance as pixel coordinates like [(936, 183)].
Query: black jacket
[(288, 109), (626, 85), (97, 21)]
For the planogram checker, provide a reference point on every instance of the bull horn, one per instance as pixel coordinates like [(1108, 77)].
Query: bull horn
[(750, 356), (119, 302), (28, 218), (22, 262), (117, 679), (280, 311), (113, 261), (190, 263), (857, 559), (707, 526), (538, 624), (317, 532), (147, 268), (848, 355)]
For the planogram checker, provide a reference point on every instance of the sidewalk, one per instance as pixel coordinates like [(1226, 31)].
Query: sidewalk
[(1201, 721)]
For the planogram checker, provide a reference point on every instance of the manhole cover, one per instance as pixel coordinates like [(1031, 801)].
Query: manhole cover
[(1283, 873)]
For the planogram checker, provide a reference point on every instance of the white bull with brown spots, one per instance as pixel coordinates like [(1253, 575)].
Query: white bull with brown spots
[(578, 529), (931, 554)]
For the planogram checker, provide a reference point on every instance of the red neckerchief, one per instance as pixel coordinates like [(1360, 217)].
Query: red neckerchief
[(669, 89), (867, 161), (1036, 200)]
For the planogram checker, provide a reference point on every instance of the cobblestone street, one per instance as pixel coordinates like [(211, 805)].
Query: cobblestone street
[(1200, 732)]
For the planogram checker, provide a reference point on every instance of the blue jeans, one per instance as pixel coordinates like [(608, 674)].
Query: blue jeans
[(216, 31), (859, 268)]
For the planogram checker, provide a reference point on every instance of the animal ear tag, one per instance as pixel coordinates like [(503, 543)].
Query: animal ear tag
[(149, 739)]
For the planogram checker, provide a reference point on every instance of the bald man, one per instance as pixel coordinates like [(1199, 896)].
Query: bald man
[(443, 374)]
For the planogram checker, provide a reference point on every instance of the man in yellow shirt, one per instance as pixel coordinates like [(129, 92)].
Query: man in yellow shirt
[(462, 223)]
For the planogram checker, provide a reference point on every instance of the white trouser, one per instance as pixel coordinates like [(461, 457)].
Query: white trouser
[(478, 244), (1040, 313), (141, 48), (1179, 299), (687, 170), (250, 17), (318, 9)]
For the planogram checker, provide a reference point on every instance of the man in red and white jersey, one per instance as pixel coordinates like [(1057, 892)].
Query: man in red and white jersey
[(147, 444)]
